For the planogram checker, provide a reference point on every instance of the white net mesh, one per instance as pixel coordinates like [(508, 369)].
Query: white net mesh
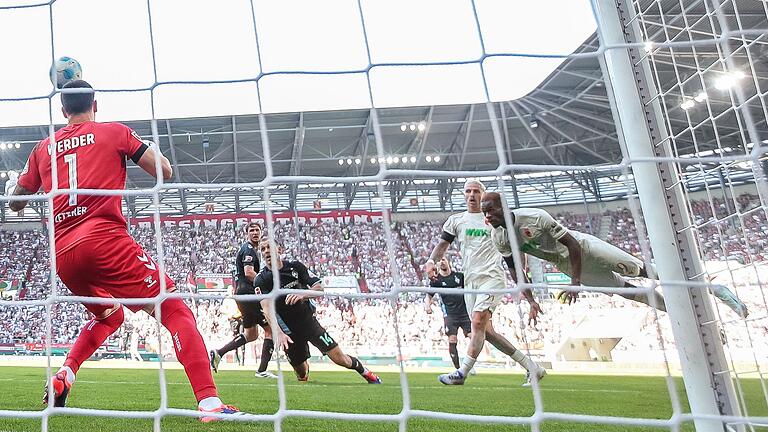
[(714, 112), (716, 122)]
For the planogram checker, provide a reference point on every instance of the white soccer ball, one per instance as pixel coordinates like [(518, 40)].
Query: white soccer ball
[(67, 69)]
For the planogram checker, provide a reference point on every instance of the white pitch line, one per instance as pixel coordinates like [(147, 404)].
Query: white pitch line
[(308, 385)]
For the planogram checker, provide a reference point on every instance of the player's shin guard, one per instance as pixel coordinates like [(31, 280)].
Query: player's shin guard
[(92, 336), (454, 352), (266, 354), (234, 344), (369, 376), (189, 346), (356, 365)]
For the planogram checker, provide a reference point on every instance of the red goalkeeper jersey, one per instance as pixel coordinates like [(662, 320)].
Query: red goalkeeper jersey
[(89, 155)]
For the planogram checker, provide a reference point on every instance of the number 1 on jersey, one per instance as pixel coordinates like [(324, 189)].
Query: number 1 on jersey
[(71, 161)]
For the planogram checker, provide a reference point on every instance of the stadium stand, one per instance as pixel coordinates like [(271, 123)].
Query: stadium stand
[(359, 249)]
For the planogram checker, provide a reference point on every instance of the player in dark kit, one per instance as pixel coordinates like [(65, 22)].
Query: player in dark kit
[(95, 254), (454, 308), (298, 326), (236, 324), (247, 264)]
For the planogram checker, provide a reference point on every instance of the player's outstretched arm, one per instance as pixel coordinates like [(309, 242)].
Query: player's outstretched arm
[(430, 268), (314, 283), (147, 163), (574, 255), (282, 339), (314, 291), (18, 205), (533, 314), (428, 303)]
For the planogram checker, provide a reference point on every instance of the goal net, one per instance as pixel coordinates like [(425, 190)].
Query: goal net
[(663, 106)]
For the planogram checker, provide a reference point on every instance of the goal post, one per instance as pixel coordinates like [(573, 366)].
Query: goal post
[(648, 153)]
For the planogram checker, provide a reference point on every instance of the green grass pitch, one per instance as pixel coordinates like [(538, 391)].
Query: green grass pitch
[(344, 391)]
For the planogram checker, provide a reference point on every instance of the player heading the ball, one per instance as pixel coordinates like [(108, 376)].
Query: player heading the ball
[(585, 258)]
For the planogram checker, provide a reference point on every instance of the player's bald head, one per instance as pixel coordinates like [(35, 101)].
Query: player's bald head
[(77, 103), (492, 197)]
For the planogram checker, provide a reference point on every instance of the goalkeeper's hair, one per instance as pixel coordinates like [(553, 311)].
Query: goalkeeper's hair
[(77, 103)]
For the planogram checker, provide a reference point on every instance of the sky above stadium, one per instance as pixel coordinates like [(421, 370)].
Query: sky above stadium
[(197, 40)]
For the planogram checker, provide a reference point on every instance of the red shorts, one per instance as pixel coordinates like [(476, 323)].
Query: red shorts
[(113, 267)]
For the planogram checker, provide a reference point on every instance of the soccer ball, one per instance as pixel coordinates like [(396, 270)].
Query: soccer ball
[(67, 69)]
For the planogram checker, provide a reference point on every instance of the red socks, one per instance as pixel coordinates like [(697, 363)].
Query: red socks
[(91, 337), (187, 341), (189, 346)]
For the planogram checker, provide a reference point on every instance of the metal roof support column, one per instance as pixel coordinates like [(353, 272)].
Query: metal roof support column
[(443, 192), (296, 153), (505, 129), (176, 170), (592, 177), (515, 196), (724, 189), (367, 138), (467, 132), (235, 161)]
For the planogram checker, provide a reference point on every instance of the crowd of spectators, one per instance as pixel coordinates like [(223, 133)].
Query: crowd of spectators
[(362, 250)]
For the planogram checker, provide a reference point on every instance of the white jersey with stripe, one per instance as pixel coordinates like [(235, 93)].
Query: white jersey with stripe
[(538, 234), (481, 261)]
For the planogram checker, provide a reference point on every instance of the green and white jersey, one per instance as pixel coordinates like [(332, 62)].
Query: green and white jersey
[(480, 260), (537, 234)]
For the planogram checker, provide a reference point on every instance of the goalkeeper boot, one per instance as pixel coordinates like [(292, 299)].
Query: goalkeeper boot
[(215, 360), (265, 374), (371, 377), (731, 300), (60, 387), (225, 413), (539, 373), (455, 378)]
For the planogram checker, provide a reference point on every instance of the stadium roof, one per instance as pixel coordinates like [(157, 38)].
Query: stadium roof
[(565, 121)]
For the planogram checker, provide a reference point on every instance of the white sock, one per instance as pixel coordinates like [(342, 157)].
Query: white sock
[(466, 365), (210, 403), (524, 361), (70, 374)]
